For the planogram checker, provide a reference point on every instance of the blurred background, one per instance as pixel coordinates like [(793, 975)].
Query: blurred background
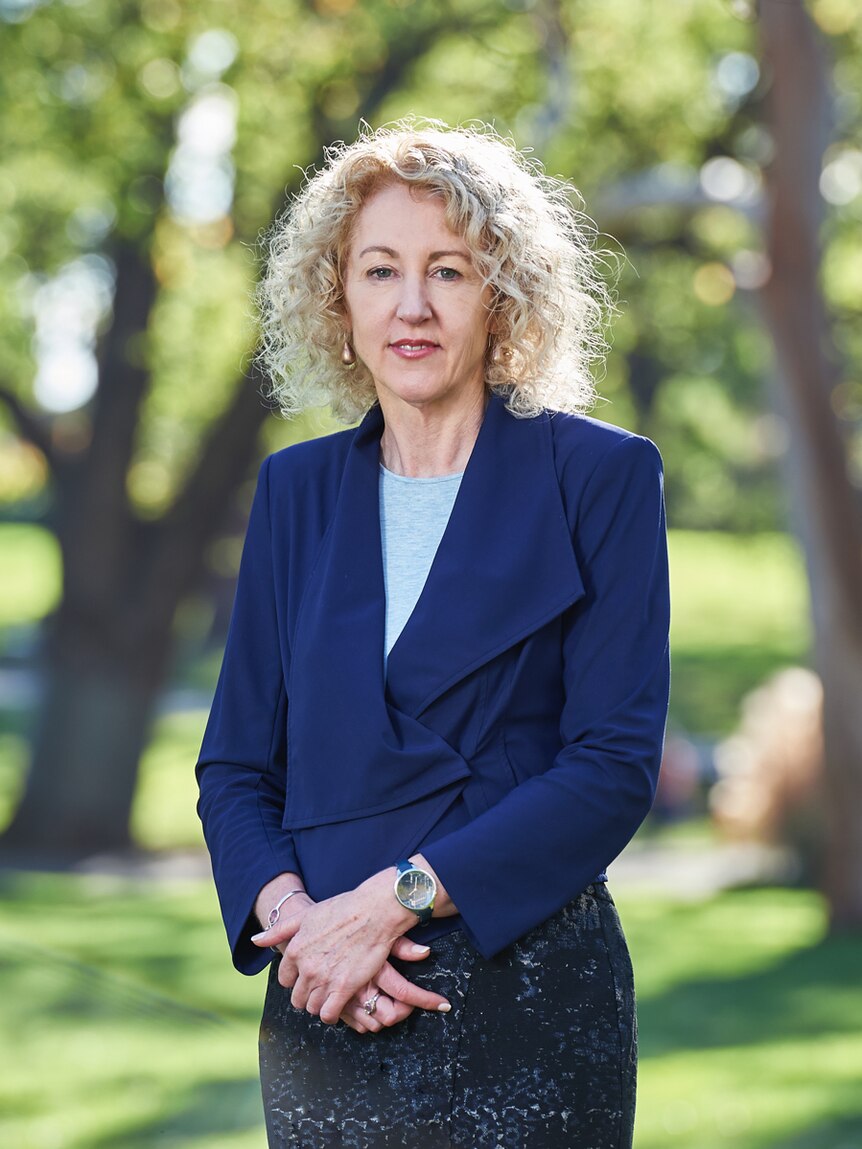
[(144, 145)]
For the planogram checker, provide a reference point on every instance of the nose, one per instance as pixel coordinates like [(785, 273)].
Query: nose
[(414, 305)]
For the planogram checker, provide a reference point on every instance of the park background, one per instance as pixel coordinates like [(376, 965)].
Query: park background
[(144, 146)]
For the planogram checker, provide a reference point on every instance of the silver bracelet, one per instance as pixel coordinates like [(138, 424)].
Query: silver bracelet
[(274, 913)]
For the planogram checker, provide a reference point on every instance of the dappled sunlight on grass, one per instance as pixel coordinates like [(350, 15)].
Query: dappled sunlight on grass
[(750, 1022), (131, 1026), (766, 1097), (132, 1030), (722, 938)]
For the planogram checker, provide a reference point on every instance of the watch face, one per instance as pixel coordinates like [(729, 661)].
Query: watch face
[(415, 889)]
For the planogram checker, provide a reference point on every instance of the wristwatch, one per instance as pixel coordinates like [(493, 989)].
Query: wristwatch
[(416, 890)]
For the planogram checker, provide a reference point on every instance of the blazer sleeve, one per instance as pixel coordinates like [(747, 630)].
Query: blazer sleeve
[(241, 769), (522, 860)]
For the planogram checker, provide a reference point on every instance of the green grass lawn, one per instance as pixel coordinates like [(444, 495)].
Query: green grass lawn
[(126, 1028), (124, 1024), (750, 1023), (739, 612)]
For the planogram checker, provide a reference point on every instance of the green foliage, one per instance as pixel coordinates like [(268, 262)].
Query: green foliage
[(30, 574), (98, 89)]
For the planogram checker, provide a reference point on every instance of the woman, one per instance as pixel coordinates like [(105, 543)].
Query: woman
[(441, 710)]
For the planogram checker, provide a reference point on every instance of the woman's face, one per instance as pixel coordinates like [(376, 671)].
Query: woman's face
[(416, 306)]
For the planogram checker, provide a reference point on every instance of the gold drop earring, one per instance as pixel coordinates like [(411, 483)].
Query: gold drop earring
[(348, 355)]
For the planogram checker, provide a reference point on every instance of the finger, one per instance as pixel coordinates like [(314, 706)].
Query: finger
[(288, 974), (398, 987), (406, 950), (283, 930), (303, 987), (370, 993), (359, 1019), (323, 1000), (390, 1012), (333, 1005), (315, 1001), (352, 1023)]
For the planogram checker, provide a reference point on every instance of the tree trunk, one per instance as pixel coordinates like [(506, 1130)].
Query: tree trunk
[(109, 644), (107, 655), (94, 720), (841, 670), (832, 534)]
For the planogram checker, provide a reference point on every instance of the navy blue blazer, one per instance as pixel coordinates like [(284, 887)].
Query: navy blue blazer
[(517, 735)]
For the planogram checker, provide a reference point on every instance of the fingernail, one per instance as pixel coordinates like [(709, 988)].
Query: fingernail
[(417, 949), (257, 937), (444, 1007)]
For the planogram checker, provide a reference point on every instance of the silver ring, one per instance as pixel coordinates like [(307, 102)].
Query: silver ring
[(370, 1006)]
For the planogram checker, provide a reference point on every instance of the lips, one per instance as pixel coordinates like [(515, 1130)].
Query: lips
[(413, 349)]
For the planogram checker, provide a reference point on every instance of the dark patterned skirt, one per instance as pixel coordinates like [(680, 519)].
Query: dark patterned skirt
[(539, 1050)]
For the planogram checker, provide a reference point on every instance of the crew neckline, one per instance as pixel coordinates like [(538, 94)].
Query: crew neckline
[(420, 478)]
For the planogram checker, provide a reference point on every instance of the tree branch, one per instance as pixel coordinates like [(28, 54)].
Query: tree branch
[(31, 426), (553, 35), (97, 526), (173, 549), (197, 514), (666, 186)]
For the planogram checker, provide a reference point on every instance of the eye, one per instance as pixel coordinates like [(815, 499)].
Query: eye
[(448, 274), (379, 273)]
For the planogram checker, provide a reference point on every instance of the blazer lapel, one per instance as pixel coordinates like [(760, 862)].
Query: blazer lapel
[(505, 565), (351, 754)]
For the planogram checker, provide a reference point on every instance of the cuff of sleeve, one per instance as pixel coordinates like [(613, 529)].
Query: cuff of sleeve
[(484, 933), (247, 957)]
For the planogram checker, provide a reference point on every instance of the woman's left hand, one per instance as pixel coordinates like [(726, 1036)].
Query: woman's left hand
[(337, 947)]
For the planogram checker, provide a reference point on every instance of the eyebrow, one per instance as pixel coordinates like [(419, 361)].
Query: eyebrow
[(433, 255)]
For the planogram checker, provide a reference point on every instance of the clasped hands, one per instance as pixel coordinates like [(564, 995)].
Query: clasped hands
[(336, 956)]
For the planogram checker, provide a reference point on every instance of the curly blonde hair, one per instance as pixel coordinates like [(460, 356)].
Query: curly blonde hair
[(531, 245)]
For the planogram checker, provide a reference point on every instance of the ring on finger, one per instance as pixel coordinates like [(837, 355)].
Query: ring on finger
[(370, 1006)]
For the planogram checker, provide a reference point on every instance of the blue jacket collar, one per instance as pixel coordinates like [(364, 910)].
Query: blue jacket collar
[(504, 567)]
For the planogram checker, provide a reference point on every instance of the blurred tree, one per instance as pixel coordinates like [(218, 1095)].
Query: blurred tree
[(144, 98), (829, 505), (152, 141)]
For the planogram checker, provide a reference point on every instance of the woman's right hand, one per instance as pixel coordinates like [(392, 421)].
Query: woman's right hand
[(398, 996)]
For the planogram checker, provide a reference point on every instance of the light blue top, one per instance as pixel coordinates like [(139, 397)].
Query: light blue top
[(413, 516)]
